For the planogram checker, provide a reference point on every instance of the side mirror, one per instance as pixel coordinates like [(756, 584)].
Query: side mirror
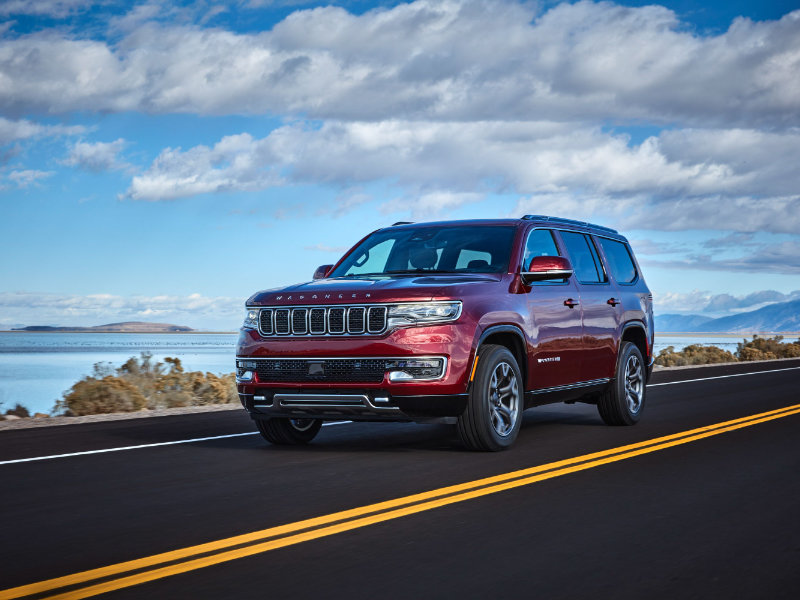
[(322, 271), (547, 268)]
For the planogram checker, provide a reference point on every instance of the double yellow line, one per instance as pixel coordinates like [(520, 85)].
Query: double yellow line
[(121, 575)]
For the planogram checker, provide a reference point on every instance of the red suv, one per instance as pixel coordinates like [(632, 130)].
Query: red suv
[(463, 322)]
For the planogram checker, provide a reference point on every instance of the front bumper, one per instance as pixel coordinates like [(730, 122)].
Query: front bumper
[(353, 405)]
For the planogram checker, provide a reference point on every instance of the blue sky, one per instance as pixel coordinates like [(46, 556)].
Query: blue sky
[(162, 161)]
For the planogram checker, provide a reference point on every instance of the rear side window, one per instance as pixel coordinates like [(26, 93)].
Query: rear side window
[(583, 255), (620, 262)]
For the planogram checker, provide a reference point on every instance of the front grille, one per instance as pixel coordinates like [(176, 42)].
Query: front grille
[(323, 320), (339, 370)]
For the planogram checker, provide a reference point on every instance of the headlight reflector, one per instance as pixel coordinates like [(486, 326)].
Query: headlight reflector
[(251, 319), (422, 313)]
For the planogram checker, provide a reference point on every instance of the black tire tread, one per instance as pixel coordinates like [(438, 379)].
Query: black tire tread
[(471, 425), (281, 432), (610, 404)]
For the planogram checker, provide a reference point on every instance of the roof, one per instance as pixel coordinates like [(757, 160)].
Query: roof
[(545, 219)]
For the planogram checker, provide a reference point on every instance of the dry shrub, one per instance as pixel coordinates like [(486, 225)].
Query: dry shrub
[(695, 354), (142, 383), (767, 348), (18, 411), (92, 396)]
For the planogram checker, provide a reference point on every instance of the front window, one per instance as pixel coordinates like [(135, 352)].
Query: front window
[(431, 249)]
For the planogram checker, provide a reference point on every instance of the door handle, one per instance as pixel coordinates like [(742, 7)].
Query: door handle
[(571, 303), (613, 301)]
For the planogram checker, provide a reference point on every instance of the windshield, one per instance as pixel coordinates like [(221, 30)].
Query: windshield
[(448, 249)]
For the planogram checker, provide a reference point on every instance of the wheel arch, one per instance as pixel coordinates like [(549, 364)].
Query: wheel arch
[(634, 332), (509, 336)]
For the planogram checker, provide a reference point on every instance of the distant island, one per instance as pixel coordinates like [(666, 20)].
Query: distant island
[(125, 327)]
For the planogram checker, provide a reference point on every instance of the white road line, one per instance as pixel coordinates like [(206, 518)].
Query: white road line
[(232, 435), (119, 449), (721, 377)]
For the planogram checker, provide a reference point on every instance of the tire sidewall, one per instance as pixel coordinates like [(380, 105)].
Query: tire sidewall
[(479, 395), (629, 349)]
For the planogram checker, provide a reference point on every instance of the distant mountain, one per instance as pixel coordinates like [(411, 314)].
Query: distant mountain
[(126, 327), (784, 316), (679, 323)]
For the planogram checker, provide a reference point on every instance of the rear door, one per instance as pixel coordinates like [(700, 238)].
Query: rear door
[(554, 327), (600, 319)]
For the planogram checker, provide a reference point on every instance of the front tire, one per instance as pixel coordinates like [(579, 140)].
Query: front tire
[(493, 415), (288, 432), (623, 402)]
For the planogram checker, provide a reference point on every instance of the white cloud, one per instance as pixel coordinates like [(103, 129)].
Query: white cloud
[(16, 130), (27, 177), (237, 162), (193, 310), (49, 8), (96, 156), (435, 60), (563, 168)]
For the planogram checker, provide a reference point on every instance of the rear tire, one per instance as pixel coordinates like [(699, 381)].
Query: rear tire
[(493, 415), (288, 432), (623, 402)]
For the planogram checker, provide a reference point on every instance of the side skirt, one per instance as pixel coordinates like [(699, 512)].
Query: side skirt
[(580, 391)]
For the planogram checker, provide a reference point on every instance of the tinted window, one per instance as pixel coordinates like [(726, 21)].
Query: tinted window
[(540, 243), (619, 258), (454, 249), (584, 258)]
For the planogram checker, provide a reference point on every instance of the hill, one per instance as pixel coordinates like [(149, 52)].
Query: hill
[(783, 316), (124, 327)]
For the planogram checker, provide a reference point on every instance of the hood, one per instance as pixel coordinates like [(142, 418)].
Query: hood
[(345, 290)]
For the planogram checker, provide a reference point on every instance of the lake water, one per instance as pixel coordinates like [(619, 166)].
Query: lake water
[(37, 368)]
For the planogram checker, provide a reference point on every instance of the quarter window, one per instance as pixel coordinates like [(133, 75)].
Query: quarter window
[(583, 255), (619, 259)]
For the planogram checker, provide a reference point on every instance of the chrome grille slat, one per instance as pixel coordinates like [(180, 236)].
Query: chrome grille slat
[(316, 321), (355, 319), (330, 320), (336, 320), (282, 326), (265, 321), (299, 323)]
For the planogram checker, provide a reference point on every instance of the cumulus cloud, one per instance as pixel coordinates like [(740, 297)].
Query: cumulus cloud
[(235, 163), (435, 60), (96, 156), (16, 130), (563, 168), (194, 310)]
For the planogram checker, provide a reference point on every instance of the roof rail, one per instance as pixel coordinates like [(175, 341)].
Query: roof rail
[(403, 223), (567, 222)]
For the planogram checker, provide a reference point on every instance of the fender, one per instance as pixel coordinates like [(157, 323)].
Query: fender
[(649, 358), (492, 329)]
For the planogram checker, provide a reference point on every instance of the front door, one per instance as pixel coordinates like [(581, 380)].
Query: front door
[(554, 322)]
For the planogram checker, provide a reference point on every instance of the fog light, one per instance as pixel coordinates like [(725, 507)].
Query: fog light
[(244, 375), (415, 369)]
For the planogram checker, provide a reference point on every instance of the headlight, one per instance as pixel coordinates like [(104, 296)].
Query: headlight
[(251, 319), (423, 313)]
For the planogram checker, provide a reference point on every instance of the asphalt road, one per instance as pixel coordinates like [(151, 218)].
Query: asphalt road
[(694, 517)]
